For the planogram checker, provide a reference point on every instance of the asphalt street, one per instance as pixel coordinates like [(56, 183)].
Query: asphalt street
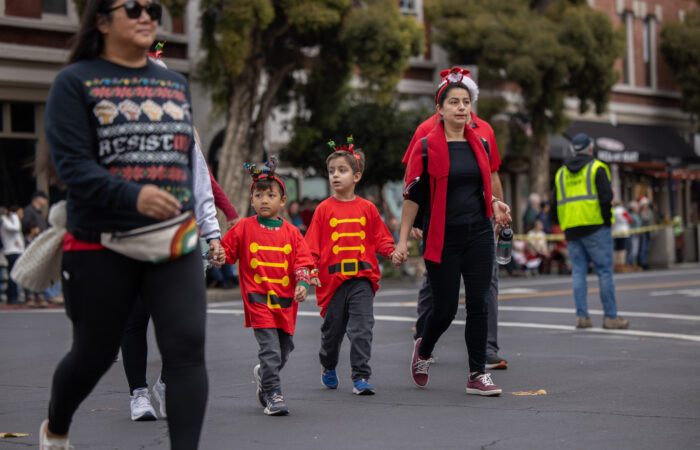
[(630, 389)]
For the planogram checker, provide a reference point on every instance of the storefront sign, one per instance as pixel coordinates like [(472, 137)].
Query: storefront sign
[(618, 157), (610, 144)]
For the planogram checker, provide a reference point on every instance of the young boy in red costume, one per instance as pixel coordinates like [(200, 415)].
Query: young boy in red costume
[(274, 274), (345, 233)]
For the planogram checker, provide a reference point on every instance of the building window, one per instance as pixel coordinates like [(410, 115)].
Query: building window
[(22, 118), (54, 7), (649, 51), (409, 7), (628, 60)]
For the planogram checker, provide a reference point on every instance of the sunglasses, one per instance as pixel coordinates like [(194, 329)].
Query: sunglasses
[(134, 9)]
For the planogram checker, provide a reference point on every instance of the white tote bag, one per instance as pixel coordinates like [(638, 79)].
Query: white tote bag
[(39, 267)]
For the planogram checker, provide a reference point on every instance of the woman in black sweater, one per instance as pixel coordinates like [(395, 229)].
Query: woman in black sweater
[(119, 131)]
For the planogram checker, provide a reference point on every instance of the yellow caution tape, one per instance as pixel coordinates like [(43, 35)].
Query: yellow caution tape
[(560, 236)]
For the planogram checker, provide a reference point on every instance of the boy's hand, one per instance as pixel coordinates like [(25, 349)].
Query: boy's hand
[(300, 293), (314, 281)]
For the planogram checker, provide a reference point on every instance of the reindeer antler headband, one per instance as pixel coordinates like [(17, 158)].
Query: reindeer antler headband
[(348, 147), (265, 173)]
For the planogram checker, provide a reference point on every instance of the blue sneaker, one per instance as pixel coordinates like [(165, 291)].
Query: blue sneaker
[(276, 405), (258, 386), (329, 378), (362, 387)]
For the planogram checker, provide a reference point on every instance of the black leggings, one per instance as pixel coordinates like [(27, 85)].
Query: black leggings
[(100, 288), (467, 251), (135, 347)]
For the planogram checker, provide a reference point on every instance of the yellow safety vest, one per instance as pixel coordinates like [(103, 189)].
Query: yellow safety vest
[(577, 196)]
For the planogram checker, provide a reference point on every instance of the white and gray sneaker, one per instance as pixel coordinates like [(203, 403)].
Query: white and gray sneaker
[(141, 408), (159, 395)]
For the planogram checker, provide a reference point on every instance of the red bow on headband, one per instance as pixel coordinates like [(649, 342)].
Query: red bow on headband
[(454, 75)]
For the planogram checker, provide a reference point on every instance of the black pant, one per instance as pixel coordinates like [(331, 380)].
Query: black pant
[(135, 347), (351, 312), (100, 288), (467, 251)]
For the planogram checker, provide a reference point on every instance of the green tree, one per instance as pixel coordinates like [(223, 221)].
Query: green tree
[(381, 131), (551, 49), (258, 53), (680, 46)]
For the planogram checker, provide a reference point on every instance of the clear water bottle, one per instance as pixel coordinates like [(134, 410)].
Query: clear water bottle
[(504, 246)]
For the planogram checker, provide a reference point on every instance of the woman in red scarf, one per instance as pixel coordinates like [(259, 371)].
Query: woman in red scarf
[(454, 193)]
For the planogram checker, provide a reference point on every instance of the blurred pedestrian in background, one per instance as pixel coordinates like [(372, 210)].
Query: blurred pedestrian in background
[(531, 212), (632, 258), (294, 212), (648, 218), (12, 246), (544, 217), (620, 225)]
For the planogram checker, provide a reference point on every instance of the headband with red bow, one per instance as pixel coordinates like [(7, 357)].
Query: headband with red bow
[(458, 75)]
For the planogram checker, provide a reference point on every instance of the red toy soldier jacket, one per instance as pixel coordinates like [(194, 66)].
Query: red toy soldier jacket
[(269, 259), (343, 238)]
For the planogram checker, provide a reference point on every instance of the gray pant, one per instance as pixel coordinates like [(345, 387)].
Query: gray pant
[(425, 305), (350, 311), (275, 347)]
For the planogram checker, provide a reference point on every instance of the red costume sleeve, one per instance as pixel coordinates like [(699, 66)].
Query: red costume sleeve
[(221, 200), (303, 254)]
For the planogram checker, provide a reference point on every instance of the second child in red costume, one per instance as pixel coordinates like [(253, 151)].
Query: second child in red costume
[(345, 233), (275, 263)]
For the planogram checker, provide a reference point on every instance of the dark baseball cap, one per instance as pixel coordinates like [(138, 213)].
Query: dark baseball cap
[(580, 142), (39, 194)]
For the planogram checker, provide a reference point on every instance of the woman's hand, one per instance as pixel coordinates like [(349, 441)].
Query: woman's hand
[(416, 233), (501, 213), (157, 203), (300, 293), (315, 281), (400, 254), (217, 254)]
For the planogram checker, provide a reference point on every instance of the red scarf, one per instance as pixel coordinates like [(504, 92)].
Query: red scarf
[(438, 170)]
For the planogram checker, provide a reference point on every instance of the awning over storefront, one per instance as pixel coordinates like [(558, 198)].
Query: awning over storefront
[(632, 144)]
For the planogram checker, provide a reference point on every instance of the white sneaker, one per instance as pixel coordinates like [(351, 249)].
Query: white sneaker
[(46, 443), (159, 395), (141, 408)]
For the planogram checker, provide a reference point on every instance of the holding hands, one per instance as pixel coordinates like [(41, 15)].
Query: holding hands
[(217, 254), (300, 293)]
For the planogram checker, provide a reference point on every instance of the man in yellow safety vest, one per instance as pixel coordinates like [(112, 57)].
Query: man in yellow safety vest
[(584, 209)]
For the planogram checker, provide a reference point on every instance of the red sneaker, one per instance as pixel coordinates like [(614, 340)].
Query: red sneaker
[(419, 366), (482, 385)]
